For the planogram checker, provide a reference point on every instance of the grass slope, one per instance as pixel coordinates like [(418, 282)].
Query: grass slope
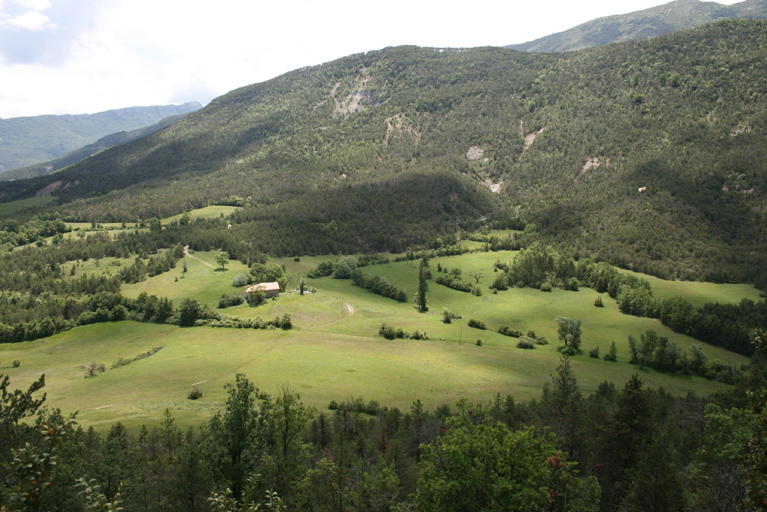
[(334, 351)]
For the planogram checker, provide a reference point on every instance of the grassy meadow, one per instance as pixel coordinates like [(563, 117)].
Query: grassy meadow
[(31, 204), (334, 351)]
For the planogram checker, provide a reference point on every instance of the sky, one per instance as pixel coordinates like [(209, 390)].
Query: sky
[(87, 56)]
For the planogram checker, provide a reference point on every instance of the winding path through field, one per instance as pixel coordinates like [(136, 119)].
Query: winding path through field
[(186, 253)]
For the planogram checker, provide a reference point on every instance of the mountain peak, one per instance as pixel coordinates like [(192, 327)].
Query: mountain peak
[(655, 21)]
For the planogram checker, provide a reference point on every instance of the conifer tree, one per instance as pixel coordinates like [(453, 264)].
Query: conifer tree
[(420, 296)]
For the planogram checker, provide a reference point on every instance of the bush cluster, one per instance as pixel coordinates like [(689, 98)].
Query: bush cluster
[(508, 331), (378, 285), (477, 324), (122, 361), (390, 332), (227, 301), (454, 283)]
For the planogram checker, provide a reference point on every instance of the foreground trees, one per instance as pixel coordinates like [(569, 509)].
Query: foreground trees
[(481, 465), (238, 435), (617, 449)]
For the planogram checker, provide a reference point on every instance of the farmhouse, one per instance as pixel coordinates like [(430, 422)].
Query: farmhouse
[(271, 289)]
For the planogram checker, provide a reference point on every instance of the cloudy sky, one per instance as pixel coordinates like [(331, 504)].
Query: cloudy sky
[(85, 56)]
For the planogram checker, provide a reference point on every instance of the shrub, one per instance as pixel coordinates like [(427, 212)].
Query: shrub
[(541, 341), (478, 343), (323, 269), (387, 331), (240, 280), (477, 324), (230, 300), (344, 267), (195, 393), (455, 284), (448, 315), (476, 291), (508, 331), (256, 298), (531, 334), (598, 302), (16, 363), (501, 282), (525, 342), (333, 405), (285, 323), (86, 317), (546, 287), (118, 313), (594, 352), (372, 408), (93, 369), (612, 353)]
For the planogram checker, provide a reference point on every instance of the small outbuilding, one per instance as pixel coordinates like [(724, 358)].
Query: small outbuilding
[(271, 289)]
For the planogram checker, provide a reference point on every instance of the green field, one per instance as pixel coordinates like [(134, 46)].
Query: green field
[(698, 294), (205, 213), (334, 351), (114, 228), (33, 203)]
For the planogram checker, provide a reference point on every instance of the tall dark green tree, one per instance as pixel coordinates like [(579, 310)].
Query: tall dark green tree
[(420, 296), (238, 436), (562, 407), (756, 472), (188, 311), (15, 405)]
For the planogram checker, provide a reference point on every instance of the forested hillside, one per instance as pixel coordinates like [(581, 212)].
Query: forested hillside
[(29, 140), (652, 22), (75, 156), (648, 154)]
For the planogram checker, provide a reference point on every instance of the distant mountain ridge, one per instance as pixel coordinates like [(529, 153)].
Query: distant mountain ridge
[(26, 141), (655, 21), (75, 156)]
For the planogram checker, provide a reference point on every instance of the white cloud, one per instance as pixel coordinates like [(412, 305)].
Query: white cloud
[(36, 5), (31, 20), (121, 53)]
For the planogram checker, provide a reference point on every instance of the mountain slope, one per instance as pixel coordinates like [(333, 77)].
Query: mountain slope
[(72, 158), (30, 140), (655, 21), (567, 140)]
